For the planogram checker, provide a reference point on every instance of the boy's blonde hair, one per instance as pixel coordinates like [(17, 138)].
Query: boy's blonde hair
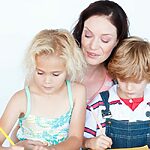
[(58, 41), (131, 62)]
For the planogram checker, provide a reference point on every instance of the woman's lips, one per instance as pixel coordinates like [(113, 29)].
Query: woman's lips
[(92, 55)]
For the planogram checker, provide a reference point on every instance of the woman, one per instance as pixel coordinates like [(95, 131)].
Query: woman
[(99, 30)]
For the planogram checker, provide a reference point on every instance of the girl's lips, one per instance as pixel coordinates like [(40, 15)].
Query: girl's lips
[(47, 87)]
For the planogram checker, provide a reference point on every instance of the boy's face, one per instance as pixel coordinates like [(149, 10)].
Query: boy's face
[(50, 73), (128, 89)]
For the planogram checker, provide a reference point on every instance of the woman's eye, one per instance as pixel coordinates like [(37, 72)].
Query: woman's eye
[(87, 36), (105, 41)]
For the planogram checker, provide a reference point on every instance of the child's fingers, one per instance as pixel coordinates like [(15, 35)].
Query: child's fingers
[(37, 143), (17, 148)]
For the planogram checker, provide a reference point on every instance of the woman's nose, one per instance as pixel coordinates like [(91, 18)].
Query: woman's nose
[(95, 44)]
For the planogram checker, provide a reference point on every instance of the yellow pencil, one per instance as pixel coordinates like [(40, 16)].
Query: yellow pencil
[(6, 136)]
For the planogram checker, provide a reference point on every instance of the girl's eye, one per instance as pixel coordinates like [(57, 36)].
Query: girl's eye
[(56, 74), (40, 73)]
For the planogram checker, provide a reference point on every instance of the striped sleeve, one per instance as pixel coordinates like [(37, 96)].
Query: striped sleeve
[(90, 125)]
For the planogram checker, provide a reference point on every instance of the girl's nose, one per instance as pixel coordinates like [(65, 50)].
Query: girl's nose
[(47, 79)]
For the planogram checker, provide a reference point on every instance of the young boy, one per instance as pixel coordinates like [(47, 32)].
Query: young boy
[(124, 110)]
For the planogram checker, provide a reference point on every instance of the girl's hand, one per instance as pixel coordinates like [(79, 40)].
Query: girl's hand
[(16, 148), (43, 148), (30, 144), (101, 142)]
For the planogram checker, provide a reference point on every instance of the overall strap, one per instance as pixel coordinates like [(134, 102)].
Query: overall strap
[(27, 91), (69, 93), (114, 82), (105, 96)]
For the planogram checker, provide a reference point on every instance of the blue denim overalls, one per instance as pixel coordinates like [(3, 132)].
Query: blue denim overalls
[(125, 134)]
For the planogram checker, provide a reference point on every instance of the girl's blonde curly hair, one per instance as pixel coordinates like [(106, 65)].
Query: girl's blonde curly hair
[(56, 41)]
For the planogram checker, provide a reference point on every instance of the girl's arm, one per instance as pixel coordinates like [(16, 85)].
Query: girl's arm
[(11, 114), (75, 139), (12, 148), (14, 133)]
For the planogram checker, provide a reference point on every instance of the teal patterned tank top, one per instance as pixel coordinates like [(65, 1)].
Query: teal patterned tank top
[(52, 131)]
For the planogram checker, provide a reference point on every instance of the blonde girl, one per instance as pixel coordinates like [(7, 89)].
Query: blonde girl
[(51, 107)]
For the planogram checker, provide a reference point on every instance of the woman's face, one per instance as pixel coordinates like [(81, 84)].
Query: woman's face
[(98, 39)]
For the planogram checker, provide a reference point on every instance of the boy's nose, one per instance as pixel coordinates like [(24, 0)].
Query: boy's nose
[(129, 86)]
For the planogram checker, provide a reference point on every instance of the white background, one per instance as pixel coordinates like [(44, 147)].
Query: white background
[(20, 20)]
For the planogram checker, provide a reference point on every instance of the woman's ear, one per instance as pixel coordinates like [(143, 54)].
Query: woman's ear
[(116, 43)]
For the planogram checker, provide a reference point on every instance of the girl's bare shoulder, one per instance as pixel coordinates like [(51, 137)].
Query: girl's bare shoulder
[(78, 90), (19, 99), (19, 94), (76, 86)]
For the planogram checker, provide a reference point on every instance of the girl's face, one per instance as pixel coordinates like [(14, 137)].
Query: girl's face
[(50, 73), (98, 39), (131, 89)]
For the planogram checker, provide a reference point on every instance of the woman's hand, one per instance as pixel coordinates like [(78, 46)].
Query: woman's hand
[(31, 144)]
